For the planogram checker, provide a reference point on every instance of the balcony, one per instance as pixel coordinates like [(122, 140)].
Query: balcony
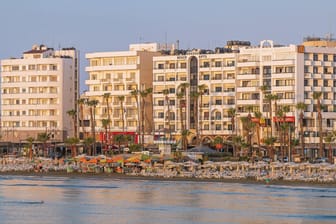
[(248, 89), (111, 67), (283, 88), (247, 102), (248, 63), (247, 77), (283, 75)]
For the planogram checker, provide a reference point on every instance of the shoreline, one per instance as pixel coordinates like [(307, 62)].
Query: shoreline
[(116, 176)]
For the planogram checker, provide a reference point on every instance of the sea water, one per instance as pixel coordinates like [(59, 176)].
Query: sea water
[(33, 199)]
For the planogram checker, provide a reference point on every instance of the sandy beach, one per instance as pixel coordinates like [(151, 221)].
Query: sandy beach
[(302, 174)]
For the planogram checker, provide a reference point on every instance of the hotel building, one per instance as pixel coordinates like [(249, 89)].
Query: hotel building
[(37, 90), (233, 77), (115, 74)]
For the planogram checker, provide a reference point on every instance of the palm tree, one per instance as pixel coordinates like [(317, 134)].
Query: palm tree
[(179, 96), (330, 138), (92, 104), (270, 143), (264, 89), (121, 99), (238, 142), (301, 106), (194, 97), (72, 113), (165, 93), (184, 139), (106, 97), (119, 138), (72, 142), (270, 98), (317, 97), (183, 89), (201, 91), (248, 126), (105, 123), (81, 103), (135, 93), (258, 116), (143, 96), (43, 137), (30, 141), (88, 142)]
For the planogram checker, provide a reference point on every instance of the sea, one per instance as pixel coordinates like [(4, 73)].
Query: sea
[(43, 199)]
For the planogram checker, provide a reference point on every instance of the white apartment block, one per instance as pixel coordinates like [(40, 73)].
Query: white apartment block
[(37, 90), (233, 76), (117, 73)]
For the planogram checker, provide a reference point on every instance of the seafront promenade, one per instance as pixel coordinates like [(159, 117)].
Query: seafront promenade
[(322, 173)]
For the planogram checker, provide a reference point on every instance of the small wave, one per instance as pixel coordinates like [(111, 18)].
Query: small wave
[(24, 202)]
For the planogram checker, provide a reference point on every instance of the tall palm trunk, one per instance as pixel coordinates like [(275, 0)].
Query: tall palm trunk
[(319, 117)]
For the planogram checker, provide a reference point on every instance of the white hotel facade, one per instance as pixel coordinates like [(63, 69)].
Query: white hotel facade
[(37, 90), (233, 76)]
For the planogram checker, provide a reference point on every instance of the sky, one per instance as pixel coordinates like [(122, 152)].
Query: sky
[(111, 25)]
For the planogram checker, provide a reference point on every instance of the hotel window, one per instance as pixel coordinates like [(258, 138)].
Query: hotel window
[(306, 69), (183, 65), (160, 102), (218, 64), (160, 115), (171, 90), (315, 82), (172, 102), (31, 67), (218, 102), (23, 68), (334, 57), (325, 96), (171, 65), (206, 127), (218, 89), (315, 69), (267, 70), (315, 57), (325, 83), (334, 70), (206, 64), (15, 68), (160, 78), (306, 95), (218, 127), (325, 57), (206, 77), (230, 76), (53, 67), (306, 83), (160, 66)]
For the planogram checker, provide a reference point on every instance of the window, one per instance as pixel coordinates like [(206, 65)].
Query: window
[(267, 70), (218, 64), (183, 65), (218, 89), (315, 82), (161, 102), (306, 83), (325, 82), (218, 102), (206, 64), (206, 77), (315, 57), (218, 127), (160, 115), (230, 76), (15, 68), (172, 102), (171, 90), (160, 66), (325, 57), (31, 67), (160, 78), (315, 69), (171, 65), (306, 69), (334, 57), (325, 95)]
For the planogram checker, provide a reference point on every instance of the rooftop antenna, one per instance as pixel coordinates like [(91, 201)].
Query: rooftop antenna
[(166, 47)]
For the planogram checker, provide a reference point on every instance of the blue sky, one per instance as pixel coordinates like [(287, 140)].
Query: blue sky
[(109, 25)]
